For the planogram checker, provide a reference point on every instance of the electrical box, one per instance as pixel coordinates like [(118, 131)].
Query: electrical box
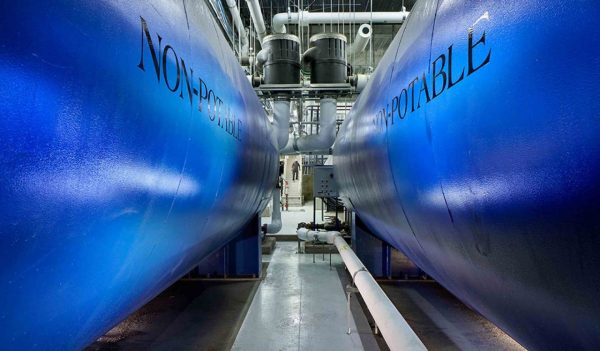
[(324, 184)]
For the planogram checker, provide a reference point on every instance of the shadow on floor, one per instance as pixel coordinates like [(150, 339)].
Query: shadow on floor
[(189, 315)]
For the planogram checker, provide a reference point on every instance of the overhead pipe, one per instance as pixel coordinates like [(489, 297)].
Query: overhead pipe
[(257, 18), (239, 24), (363, 36), (395, 330), (316, 142), (304, 18)]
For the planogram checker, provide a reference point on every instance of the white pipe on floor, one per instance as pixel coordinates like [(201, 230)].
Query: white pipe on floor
[(304, 18), (239, 24), (257, 18), (397, 333), (316, 142), (361, 40), (275, 225)]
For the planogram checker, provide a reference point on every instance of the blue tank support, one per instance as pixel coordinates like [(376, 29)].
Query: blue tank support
[(132, 146), (241, 257), (475, 150), (373, 252)]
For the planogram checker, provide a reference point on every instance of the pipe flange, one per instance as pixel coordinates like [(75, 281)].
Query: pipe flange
[(281, 36), (328, 36)]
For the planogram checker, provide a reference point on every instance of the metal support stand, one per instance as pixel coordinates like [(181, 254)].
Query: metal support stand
[(351, 289), (314, 226)]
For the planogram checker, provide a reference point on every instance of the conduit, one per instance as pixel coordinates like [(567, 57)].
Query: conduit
[(361, 40), (257, 18), (397, 333), (304, 18), (239, 24), (322, 141)]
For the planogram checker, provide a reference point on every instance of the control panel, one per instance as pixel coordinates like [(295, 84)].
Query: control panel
[(323, 182)]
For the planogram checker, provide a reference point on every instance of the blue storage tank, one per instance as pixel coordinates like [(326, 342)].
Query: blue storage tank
[(132, 146), (475, 150)]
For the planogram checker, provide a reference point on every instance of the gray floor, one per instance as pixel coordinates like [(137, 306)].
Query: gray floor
[(189, 315), (301, 305)]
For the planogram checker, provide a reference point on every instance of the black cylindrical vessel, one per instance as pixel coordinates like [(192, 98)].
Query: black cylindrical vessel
[(283, 62), (328, 58)]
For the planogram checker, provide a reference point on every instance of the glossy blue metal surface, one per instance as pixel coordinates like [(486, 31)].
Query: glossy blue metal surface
[(112, 185), (490, 184)]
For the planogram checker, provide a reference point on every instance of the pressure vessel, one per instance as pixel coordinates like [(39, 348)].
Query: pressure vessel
[(132, 146), (475, 150)]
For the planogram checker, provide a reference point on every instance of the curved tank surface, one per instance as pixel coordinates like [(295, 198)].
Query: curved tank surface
[(132, 146), (475, 150)]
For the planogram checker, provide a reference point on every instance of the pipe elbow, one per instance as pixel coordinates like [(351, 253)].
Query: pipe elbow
[(309, 55), (279, 22), (261, 58)]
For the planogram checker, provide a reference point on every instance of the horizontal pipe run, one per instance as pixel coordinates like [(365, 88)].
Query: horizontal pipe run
[(395, 330), (304, 18)]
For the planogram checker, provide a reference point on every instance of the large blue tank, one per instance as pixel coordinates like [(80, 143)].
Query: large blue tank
[(475, 149), (132, 145)]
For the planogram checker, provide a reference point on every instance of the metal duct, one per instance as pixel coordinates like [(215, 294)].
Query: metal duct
[(321, 142), (281, 122)]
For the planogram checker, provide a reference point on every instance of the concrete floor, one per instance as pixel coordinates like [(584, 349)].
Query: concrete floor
[(301, 305), (189, 315)]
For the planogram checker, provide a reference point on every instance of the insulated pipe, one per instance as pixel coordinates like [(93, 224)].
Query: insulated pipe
[(257, 18), (261, 58), (305, 18), (237, 20), (316, 142), (308, 56), (361, 40), (281, 122), (275, 225), (395, 330)]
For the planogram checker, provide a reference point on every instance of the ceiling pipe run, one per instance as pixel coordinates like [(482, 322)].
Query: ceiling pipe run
[(363, 36), (320, 142), (257, 19), (395, 330), (239, 24), (305, 18)]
